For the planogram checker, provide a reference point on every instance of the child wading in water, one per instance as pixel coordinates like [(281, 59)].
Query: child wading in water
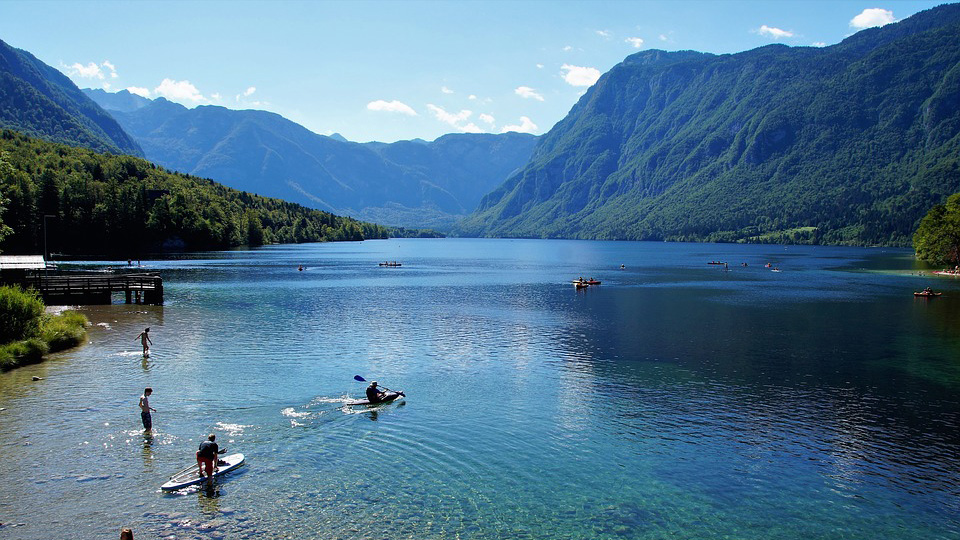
[(144, 338)]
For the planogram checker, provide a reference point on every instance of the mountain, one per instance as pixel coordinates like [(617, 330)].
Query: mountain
[(850, 143), (123, 101), (39, 101), (408, 184)]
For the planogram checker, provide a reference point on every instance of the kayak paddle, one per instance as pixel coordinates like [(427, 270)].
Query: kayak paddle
[(361, 379)]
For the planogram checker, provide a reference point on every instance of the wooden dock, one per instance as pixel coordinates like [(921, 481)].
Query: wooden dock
[(96, 289)]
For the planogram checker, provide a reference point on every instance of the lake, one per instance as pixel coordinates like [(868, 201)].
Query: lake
[(675, 400)]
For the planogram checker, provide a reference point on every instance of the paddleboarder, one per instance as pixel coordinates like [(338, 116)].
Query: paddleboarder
[(144, 338), (145, 409), (207, 455), (374, 395)]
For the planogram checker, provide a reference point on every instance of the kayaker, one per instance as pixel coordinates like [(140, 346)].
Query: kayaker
[(374, 395), (207, 455)]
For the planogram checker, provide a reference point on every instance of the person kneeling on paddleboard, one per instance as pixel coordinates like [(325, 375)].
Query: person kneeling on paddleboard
[(373, 394), (207, 455)]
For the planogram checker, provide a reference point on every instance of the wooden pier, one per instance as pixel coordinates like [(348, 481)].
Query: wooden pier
[(94, 289)]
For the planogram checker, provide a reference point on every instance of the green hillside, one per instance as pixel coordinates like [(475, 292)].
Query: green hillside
[(101, 204), (39, 101), (851, 143)]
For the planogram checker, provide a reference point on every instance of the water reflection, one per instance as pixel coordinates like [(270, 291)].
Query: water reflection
[(148, 450), (672, 401)]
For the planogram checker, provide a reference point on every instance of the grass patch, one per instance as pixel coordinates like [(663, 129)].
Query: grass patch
[(29, 333)]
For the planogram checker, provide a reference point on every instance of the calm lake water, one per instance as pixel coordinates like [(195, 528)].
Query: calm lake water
[(675, 400)]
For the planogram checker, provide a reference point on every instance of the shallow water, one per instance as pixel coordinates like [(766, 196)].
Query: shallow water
[(674, 400)]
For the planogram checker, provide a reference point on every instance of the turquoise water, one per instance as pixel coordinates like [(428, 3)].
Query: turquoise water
[(675, 400)]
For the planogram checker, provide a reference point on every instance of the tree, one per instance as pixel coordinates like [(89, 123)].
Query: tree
[(937, 239)]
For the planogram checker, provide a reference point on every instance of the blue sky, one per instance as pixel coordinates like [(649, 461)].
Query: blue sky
[(392, 70)]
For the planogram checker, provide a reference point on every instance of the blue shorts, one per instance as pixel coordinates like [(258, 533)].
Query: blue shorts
[(147, 421)]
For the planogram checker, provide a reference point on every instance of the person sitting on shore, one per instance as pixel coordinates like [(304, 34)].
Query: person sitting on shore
[(207, 456), (374, 395)]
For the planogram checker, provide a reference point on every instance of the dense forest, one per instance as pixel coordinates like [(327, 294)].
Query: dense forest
[(80, 202), (937, 239)]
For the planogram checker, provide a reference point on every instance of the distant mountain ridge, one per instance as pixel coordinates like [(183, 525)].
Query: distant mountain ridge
[(850, 143), (39, 101), (408, 184)]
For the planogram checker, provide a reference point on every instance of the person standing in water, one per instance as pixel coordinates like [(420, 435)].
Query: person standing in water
[(144, 338), (145, 409)]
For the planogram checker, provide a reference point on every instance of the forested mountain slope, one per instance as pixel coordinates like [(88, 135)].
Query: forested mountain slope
[(80, 202), (38, 100), (850, 143), (407, 183)]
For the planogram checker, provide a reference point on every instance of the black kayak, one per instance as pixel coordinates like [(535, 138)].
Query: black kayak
[(390, 396)]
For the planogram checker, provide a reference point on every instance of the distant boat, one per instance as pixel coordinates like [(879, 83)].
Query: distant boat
[(927, 293), (716, 262), (581, 284), (390, 263), (592, 281)]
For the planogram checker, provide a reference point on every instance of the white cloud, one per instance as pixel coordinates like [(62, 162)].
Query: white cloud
[(539, 66), (871, 17), (449, 118), (446, 90), (580, 76), (487, 118), (391, 106), (140, 91), (89, 71), (471, 97), (179, 91), (773, 32), (818, 44), (216, 96), (113, 69), (528, 93), (92, 70), (604, 33), (568, 48), (663, 37), (249, 91), (456, 120), (526, 126), (635, 41)]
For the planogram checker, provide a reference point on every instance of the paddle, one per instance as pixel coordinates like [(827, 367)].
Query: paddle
[(361, 379)]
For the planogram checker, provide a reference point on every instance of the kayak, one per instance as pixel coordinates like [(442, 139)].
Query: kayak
[(927, 294), (191, 475), (391, 396)]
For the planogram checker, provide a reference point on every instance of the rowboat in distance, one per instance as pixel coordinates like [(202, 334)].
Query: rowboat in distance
[(927, 293), (390, 263)]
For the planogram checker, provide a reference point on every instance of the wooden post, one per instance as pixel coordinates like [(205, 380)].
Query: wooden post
[(126, 534)]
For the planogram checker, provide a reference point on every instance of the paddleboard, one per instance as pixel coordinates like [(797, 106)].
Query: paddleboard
[(191, 475), (391, 396)]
